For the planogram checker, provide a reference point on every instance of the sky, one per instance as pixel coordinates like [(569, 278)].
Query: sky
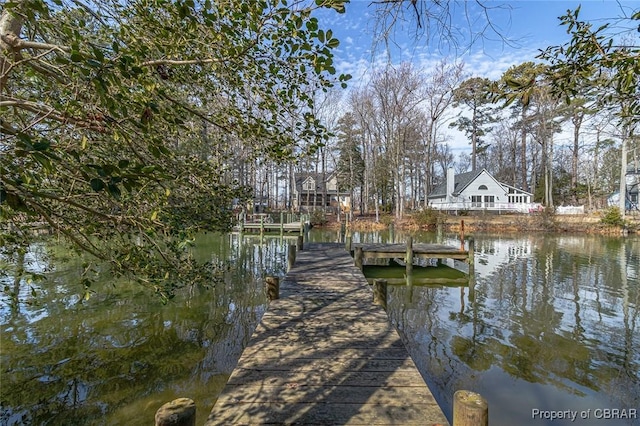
[(528, 25)]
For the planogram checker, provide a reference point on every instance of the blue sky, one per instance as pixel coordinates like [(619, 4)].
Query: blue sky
[(530, 26)]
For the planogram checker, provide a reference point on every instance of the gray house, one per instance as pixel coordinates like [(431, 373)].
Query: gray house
[(479, 190), (318, 191)]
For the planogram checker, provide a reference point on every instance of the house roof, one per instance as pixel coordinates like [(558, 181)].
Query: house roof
[(461, 181), (321, 184)]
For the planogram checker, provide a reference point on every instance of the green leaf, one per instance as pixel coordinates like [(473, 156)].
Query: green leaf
[(97, 184)]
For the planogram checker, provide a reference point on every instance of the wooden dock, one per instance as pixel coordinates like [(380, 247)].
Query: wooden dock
[(426, 251), (409, 251), (324, 354)]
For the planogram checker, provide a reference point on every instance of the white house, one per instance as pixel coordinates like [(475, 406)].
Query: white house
[(479, 190)]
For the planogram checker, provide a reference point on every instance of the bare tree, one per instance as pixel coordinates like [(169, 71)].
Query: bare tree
[(438, 98), (452, 25)]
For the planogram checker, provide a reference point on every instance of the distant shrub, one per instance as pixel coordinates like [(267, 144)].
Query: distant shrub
[(386, 219), (612, 217), (426, 218), (317, 217)]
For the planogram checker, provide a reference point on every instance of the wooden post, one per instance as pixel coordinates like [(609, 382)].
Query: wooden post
[(409, 291), (409, 257), (380, 292), (439, 232), (242, 220), (358, 257), (261, 226), (300, 242), (347, 241), (281, 224), (471, 259), (470, 409), (179, 412), (462, 234), (472, 269), (291, 256), (273, 287)]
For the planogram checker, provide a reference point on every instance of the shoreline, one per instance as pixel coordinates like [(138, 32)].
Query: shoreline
[(505, 223)]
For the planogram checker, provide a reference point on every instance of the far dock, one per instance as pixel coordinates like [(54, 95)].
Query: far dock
[(409, 251), (323, 353)]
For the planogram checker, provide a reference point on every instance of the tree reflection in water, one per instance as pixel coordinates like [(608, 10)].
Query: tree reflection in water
[(116, 358), (552, 325)]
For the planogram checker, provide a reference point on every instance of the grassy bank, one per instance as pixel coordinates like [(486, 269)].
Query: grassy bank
[(593, 223)]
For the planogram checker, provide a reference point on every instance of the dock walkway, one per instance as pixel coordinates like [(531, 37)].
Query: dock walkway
[(324, 354)]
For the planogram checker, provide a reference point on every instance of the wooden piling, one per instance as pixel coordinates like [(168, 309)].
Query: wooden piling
[(470, 409), (462, 234), (281, 224), (409, 256), (347, 242), (380, 292), (472, 270), (300, 243), (273, 287), (291, 256), (471, 261), (358, 257), (179, 412), (261, 226)]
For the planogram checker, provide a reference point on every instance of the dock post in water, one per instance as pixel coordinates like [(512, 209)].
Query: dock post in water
[(300, 243), (273, 287), (291, 256), (472, 269), (380, 292), (470, 409), (347, 241), (358, 256), (409, 257), (281, 224), (179, 412)]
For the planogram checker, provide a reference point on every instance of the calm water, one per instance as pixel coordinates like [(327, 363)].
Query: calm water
[(552, 326), (116, 358)]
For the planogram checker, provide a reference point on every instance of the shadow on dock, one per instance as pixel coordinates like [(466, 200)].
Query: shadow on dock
[(324, 354)]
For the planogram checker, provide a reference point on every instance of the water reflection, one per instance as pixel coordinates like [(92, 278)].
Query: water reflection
[(552, 327), (117, 357)]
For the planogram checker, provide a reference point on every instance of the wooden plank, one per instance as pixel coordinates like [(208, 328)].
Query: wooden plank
[(324, 354)]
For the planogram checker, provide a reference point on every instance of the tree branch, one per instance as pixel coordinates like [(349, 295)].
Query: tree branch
[(156, 62), (51, 113), (17, 43)]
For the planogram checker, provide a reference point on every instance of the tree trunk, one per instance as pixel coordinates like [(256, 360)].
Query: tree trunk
[(623, 171)]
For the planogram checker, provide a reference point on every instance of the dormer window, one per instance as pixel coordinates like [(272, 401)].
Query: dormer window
[(482, 188), (309, 185)]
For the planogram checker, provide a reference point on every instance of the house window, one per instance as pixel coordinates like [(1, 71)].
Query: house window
[(489, 200), (476, 200), (482, 188)]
